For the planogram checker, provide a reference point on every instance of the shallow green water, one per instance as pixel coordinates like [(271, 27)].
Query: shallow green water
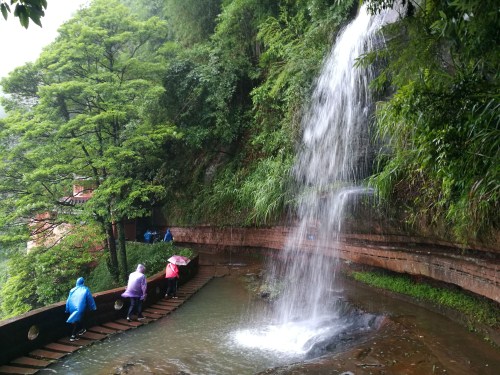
[(198, 338), (201, 337)]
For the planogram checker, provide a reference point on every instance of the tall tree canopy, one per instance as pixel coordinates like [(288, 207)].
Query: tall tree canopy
[(82, 113)]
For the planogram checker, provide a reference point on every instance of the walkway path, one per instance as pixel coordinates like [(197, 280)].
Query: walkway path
[(43, 357)]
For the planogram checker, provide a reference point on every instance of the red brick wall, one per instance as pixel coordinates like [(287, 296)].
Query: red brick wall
[(476, 270)]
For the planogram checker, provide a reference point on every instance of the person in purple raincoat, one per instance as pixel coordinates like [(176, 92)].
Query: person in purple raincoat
[(79, 300), (136, 292)]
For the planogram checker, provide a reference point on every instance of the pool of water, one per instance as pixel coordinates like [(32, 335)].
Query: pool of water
[(198, 338), (223, 330)]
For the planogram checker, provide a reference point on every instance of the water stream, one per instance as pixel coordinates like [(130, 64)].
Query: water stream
[(331, 165)]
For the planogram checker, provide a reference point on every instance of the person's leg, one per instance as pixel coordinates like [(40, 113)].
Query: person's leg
[(139, 310), (74, 330), (166, 287), (81, 325), (174, 282), (171, 287), (131, 307)]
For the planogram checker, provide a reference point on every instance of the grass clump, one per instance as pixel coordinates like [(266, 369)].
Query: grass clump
[(153, 256), (476, 310)]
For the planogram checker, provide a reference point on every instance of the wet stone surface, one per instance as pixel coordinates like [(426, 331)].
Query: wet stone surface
[(396, 348)]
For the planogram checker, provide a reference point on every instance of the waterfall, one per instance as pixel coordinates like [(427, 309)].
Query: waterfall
[(333, 160)]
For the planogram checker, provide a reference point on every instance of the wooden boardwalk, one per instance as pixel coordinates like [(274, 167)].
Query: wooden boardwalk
[(43, 357)]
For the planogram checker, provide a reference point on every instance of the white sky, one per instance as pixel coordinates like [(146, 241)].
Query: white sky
[(19, 45)]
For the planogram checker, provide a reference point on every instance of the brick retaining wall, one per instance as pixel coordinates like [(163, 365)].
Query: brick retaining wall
[(476, 269)]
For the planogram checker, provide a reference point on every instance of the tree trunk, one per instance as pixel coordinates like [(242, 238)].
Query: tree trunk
[(113, 258), (122, 250)]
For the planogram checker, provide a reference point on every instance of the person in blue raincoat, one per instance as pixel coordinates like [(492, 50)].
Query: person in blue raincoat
[(148, 236), (79, 300), (168, 236)]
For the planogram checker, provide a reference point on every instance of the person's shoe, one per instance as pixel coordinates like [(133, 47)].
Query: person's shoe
[(81, 332), (74, 338), (175, 297), (128, 319), (141, 317)]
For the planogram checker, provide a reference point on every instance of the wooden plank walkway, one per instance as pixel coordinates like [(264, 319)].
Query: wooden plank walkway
[(43, 357)]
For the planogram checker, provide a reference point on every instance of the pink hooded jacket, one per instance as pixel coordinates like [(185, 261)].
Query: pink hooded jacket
[(171, 271)]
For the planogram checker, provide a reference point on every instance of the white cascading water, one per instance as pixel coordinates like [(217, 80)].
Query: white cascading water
[(333, 160)]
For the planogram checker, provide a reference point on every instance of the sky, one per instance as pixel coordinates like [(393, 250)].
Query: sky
[(19, 45)]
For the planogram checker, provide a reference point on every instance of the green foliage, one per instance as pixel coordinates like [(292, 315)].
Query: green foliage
[(153, 256), (45, 275), (264, 191), (238, 100), (18, 293), (476, 310), (145, 9), (25, 10), (192, 21), (56, 267), (442, 121)]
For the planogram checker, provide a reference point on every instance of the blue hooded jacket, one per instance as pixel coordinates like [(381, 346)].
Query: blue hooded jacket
[(168, 236), (79, 299)]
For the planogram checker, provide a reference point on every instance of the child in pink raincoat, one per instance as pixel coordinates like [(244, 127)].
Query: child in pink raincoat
[(171, 276)]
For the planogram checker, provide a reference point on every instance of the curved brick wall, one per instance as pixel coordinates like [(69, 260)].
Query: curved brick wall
[(476, 270)]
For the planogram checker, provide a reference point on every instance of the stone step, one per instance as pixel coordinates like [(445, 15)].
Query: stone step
[(156, 311), (160, 307), (32, 362), (102, 330), (61, 348), (94, 336), (132, 324), (17, 370), (118, 327), (46, 354), (79, 342), (151, 317)]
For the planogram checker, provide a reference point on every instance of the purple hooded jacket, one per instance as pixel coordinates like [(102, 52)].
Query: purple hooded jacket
[(137, 284)]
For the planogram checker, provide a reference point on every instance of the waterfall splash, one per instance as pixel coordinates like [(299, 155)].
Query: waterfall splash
[(334, 158)]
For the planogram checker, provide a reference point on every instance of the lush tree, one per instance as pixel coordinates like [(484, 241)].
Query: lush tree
[(18, 293), (86, 117), (25, 10), (46, 273)]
